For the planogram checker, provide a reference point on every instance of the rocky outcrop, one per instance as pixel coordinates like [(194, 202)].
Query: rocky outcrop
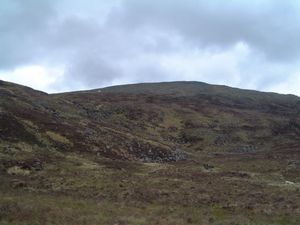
[(245, 149), (147, 152)]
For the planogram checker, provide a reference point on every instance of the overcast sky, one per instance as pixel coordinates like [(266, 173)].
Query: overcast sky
[(62, 45)]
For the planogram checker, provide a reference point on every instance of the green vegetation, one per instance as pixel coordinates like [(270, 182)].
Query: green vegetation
[(169, 153), (58, 138)]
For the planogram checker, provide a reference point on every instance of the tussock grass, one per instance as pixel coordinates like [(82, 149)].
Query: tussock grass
[(59, 138)]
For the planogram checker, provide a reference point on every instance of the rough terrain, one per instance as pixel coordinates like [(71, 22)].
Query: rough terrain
[(161, 153)]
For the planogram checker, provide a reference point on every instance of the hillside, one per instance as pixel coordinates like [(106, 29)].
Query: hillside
[(165, 153)]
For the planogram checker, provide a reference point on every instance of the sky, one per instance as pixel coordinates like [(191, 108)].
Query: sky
[(66, 45)]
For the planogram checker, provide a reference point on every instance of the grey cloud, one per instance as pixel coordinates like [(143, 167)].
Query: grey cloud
[(96, 54), (269, 26), (130, 43), (22, 28), (91, 71)]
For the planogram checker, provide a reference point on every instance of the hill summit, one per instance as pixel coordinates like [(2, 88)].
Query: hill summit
[(179, 146)]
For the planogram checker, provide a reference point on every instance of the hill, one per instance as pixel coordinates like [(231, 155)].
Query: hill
[(169, 153)]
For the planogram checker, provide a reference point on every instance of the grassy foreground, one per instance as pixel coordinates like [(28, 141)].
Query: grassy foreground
[(76, 189)]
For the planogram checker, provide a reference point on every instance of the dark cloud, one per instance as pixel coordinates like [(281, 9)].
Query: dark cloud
[(252, 44), (268, 26), (91, 70)]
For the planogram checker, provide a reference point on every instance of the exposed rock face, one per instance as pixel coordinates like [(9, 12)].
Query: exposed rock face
[(294, 164), (150, 153), (245, 149), (208, 166)]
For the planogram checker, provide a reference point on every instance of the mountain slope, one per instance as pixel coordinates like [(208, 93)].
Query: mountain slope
[(90, 147)]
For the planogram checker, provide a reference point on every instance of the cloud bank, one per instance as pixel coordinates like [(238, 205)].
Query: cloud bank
[(70, 45)]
